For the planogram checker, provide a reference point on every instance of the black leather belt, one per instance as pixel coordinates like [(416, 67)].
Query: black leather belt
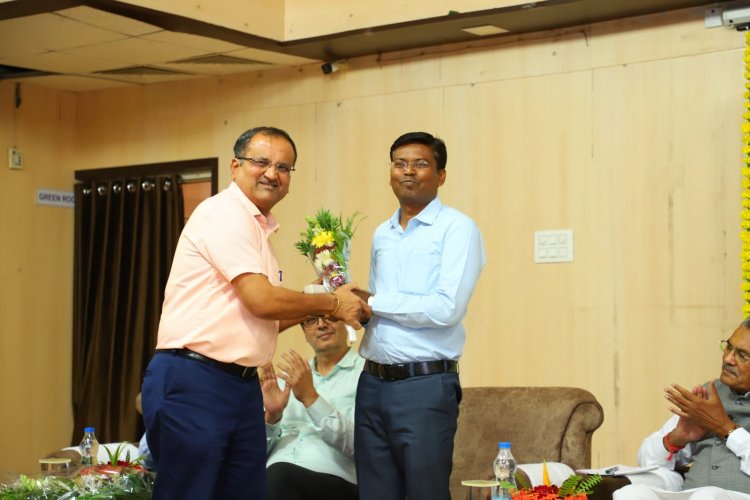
[(231, 368), (406, 370)]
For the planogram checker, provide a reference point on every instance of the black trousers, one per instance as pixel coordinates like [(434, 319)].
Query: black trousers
[(287, 481)]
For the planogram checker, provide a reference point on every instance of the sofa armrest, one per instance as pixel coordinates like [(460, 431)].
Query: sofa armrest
[(609, 484), (587, 416)]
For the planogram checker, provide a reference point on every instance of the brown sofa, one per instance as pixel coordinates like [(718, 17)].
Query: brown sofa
[(553, 424)]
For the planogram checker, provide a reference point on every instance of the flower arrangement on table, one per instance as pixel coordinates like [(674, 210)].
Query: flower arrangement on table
[(326, 243), (573, 488), (118, 479)]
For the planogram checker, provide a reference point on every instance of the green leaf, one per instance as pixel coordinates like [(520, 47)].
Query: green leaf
[(569, 486), (587, 485), (576, 485), (521, 481), (324, 220)]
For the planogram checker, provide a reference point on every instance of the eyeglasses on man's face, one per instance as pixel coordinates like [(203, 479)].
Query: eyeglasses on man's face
[(740, 355), (314, 320), (265, 164), (416, 164)]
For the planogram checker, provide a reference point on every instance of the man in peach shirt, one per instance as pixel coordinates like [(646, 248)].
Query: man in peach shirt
[(223, 308)]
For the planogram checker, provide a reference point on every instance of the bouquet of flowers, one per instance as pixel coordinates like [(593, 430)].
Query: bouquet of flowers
[(326, 243)]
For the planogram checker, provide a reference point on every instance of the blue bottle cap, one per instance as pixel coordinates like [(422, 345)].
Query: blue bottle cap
[(503, 444), (88, 429)]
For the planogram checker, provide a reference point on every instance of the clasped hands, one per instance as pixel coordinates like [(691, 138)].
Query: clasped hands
[(351, 309), (295, 371), (700, 411)]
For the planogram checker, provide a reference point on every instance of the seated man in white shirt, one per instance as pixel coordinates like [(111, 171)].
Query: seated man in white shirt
[(708, 430), (310, 437)]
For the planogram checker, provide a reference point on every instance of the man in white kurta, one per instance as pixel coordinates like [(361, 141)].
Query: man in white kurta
[(708, 431)]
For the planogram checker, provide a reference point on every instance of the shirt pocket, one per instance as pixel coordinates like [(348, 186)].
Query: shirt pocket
[(421, 270)]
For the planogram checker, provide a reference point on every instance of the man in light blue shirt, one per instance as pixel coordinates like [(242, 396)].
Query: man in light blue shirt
[(310, 437), (425, 262)]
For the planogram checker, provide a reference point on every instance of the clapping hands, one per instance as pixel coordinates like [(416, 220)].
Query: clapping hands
[(700, 411), (275, 399), (295, 371)]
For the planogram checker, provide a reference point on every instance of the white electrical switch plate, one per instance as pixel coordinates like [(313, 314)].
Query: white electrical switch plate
[(553, 246), (15, 159)]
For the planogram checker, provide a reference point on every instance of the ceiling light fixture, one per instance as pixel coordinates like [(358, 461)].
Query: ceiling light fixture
[(486, 30)]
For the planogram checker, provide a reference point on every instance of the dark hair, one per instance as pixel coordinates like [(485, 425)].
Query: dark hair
[(437, 145), (243, 140)]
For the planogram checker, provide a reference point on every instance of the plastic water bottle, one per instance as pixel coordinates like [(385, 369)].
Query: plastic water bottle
[(505, 470), (89, 447)]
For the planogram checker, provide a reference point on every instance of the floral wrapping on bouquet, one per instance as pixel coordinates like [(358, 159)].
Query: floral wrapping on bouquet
[(326, 243)]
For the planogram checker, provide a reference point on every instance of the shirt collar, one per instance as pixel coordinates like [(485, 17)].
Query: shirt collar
[(426, 216), (346, 363), (269, 224)]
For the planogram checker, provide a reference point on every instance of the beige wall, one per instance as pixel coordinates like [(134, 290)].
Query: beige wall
[(627, 133), (36, 271)]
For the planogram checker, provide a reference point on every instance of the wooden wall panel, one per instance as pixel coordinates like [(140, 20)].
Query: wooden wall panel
[(36, 257), (657, 37), (671, 224), (516, 174)]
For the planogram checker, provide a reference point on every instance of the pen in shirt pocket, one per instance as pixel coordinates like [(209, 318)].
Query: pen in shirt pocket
[(281, 275)]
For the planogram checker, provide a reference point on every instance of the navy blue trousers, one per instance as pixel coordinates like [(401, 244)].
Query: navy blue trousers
[(205, 430), (403, 437)]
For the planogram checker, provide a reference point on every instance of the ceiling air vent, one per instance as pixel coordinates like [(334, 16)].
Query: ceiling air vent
[(217, 59), (9, 72), (140, 71)]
